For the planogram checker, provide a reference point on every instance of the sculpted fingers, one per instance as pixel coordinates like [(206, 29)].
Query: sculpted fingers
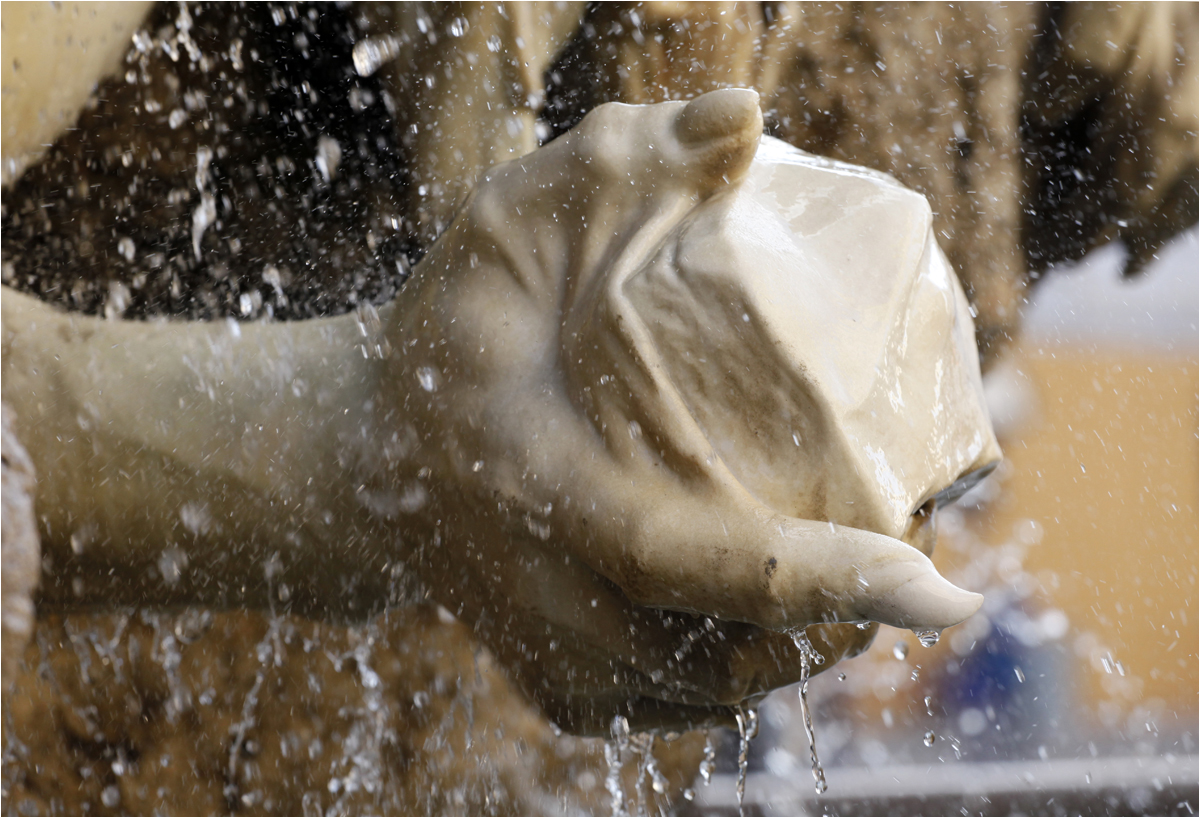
[(868, 576), (694, 147), (749, 564), (721, 131), (561, 217)]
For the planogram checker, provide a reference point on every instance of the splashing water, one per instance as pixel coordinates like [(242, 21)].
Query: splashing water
[(206, 212), (329, 158), (647, 770), (747, 722), (613, 749), (809, 657), (267, 655), (709, 763), (362, 762), (166, 652)]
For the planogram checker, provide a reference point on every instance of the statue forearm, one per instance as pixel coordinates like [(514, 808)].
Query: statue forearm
[(161, 444)]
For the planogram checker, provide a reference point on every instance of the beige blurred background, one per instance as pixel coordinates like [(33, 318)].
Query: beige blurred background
[(1106, 463)]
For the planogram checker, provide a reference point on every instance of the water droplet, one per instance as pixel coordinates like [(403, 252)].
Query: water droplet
[(171, 564), (900, 650), (658, 781), (689, 794), (117, 301), (1020, 674), (862, 626), (195, 517), (929, 705), (329, 157), (709, 763), (841, 677), (127, 248), (177, 118), (371, 53), (930, 738), (427, 377), (80, 540), (928, 638), (111, 796), (972, 721)]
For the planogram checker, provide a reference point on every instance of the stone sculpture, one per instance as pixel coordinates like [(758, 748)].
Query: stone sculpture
[(54, 55), (647, 407), (1042, 103), (1024, 141)]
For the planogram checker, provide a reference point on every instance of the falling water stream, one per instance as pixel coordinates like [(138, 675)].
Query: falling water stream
[(809, 657), (641, 745), (614, 748), (747, 722)]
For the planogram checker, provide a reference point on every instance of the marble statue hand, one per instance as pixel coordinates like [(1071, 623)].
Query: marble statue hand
[(641, 478), (659, 397)]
